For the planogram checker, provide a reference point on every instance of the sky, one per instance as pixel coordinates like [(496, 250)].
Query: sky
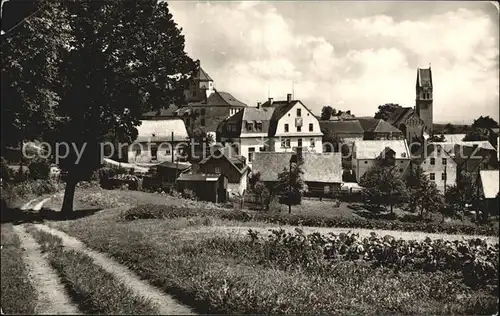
[(350, 55)]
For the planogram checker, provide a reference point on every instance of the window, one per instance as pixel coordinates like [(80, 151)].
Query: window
[(433, 176), (444, 161), (258, 126), (366, 162), (234, 128), (262, 149), (287, 143), (250, 127), (299, 128), (433, 161), (138, 151), (229, 128), (286, 128), (202, 111), (283, 143), (310, 127), (312, 142), (443, 176), (299, 142), (202, 122), (400, 169), (251, 151), (217, 170), (168, 151), (299, 112), (326, 189)]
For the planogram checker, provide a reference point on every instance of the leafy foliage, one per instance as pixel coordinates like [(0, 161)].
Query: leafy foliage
[(382, 187), (291, 185), (437, 138), (484, 122), (384, 111), (39, 168), (138, 63), (424, 195), (327, 112)]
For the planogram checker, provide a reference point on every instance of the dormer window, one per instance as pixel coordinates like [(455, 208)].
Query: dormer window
[(258, 126), (250, 126)]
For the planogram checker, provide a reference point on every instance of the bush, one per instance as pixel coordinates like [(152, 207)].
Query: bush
[(168, 211), (14, 192), (39, 169), (6, 172), (189, 194)]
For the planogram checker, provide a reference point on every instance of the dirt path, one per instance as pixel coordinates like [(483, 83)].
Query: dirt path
[(52, 297), (165, 303), (243, 230)]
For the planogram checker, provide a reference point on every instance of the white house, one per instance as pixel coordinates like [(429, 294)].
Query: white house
[(293, 125), (367, 153), (279, 126), (438, 164), (158, 141)]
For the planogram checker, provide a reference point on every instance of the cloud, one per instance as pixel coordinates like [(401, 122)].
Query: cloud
[(347, 59)]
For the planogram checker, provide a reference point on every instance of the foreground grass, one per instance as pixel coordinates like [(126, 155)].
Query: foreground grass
[(91, 287), (219, 279), (18, 295)]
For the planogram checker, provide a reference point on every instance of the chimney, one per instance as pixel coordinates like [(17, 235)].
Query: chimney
[(289, 98), (258, 105), (270, 100)]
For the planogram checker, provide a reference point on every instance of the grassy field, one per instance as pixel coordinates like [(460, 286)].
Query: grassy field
[(92, 288), (217, 272), (18, 295)]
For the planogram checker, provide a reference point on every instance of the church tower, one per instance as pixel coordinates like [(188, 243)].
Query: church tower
[(424, 98)]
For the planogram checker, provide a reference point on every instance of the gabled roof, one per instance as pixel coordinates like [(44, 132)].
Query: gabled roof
[(489, 183), (218, 98), (341, 127), (377, 126), (174, 165), (424, 75), (162, 130), (371, 149), (280, 111), (324, 167), (237, 161), (246, 115), (400, 115), (202, 75)]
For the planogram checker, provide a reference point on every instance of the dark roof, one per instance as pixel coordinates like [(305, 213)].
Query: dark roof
[(400, 115), (377, 126), (238, 162), (247, 114), (341, 127), (202, 75), (199, 177), (424, 75), (218, 99), (318, 167)]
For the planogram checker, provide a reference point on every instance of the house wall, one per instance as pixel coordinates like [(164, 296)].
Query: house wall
[(362, 165), (382, 136), (226, 168), (145, 154), (307, 118), (276, 144), (439, 168)]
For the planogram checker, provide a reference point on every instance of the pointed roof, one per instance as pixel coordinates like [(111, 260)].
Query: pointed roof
[(400, 115), (424, 76), (219, 98), (377, 126), (202, 75)]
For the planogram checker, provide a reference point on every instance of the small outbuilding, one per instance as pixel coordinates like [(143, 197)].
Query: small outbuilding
[(206, 187)]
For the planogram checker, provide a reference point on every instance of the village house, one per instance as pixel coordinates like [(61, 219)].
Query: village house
[(378, 129), (205, 106), (247, 131), (158, 141), (206, 187), (369, 153), (322, 171), (437, 163), (345, 132), (292, 126), (275, 126), (232, 166)]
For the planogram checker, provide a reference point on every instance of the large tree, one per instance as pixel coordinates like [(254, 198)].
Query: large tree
[(327, 112), (291, 185), (382, 187), (385, 110), (484, 122), (118, 59)]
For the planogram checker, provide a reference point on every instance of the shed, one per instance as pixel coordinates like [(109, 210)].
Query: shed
[(207, 187), (168, 171)]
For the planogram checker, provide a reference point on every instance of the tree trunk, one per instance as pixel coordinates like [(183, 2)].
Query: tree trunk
[(289, 208), (69, 195), (392, 212)]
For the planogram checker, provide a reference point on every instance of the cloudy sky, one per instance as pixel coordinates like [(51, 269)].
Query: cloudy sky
[(351, 55)]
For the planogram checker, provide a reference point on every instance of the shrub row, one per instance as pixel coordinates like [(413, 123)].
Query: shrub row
[(13, 192), (167, 211)]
